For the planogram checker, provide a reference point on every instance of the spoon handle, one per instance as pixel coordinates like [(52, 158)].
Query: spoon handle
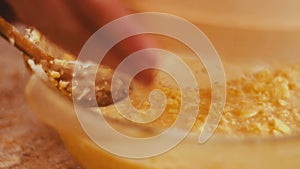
[(12, 35)]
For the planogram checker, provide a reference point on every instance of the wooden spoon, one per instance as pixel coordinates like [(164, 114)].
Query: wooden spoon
[(59, 69)]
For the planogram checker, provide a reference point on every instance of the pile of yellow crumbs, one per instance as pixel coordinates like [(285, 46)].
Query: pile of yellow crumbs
[(263, 103)]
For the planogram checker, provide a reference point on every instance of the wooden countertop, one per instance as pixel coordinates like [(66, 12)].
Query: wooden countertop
[(25, 142)]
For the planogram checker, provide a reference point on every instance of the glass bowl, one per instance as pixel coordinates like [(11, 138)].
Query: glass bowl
[(250, 37)]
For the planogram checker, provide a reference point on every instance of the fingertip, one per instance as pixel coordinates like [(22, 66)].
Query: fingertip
[(145, 77)]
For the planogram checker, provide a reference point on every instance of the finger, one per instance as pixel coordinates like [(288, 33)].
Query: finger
[(97, 13)]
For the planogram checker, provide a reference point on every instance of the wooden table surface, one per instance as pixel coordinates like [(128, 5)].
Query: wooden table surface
[(25, 142)]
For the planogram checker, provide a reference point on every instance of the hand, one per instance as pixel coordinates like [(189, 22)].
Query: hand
[(69, 23)]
